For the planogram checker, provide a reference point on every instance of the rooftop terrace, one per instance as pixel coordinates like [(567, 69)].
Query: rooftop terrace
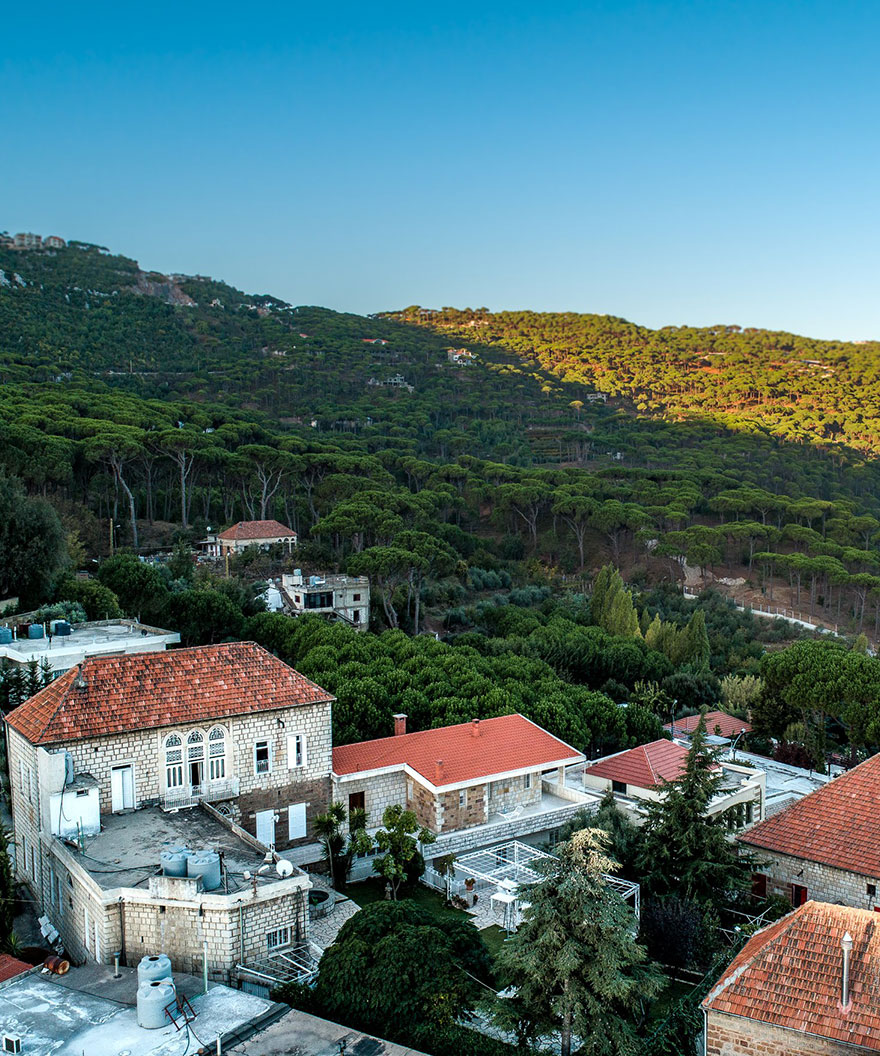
[(99, 638), (126, 852)]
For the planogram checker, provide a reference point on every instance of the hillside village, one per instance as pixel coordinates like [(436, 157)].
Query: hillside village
[(186, 812)]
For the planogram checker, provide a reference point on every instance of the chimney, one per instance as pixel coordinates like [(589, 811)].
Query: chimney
[(475, 727), (438, 772), (846, 944), (399, 725)]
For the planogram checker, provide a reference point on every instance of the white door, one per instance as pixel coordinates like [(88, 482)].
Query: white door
[(296, 821), (121, 788), (266, 827)]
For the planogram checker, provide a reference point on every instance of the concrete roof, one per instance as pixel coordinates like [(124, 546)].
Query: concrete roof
[(299, 1034), (99, 638), (87, 1010)]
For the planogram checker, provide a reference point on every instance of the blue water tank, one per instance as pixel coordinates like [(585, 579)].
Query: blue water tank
[(173, 860), (5, 636), (35, 630), (152, 1001), (205, 864), (62, 628)]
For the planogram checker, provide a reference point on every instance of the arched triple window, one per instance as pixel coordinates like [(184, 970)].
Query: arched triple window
[(194, 759)]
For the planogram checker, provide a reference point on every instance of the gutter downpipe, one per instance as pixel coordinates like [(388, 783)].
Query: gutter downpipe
[(240, 932)]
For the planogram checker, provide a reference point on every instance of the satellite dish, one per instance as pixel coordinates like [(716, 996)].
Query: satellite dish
[(284, 868)]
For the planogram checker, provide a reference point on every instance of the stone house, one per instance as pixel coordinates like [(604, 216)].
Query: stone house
[(345, 598), (456, 778), (825, 846), (637, 776), (806, 985), (261, 534), (228, 730)]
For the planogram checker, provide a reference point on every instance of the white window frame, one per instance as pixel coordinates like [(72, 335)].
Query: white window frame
[(174, 772), (279, 938), (298, 811), (297, 751), (462, 798), (217, 768), (268, 743)]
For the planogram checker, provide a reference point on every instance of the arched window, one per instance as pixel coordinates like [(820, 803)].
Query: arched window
[(217, 753), (173, 761), (195, 758)]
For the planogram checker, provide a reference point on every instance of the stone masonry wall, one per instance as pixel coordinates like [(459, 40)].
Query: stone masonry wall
[(734, 1036), (823, 883), (456, 815), (511, 792), (423, 803), (381, 791)]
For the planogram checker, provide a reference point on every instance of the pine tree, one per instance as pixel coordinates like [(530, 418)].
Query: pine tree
[(685, 852), (7, 891), (621, 618), (696, 649), (575, 962)]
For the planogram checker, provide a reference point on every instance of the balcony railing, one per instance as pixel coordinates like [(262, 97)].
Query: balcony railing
[(211, 792)]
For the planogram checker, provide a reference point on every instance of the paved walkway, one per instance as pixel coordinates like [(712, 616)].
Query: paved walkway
[(323, 930)]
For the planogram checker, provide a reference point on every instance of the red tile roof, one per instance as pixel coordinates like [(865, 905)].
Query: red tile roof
[(837, 825), (504, 744), (647, 766), (790, 973), (150, 690), (257, 530), (728, 725), (10, 967)]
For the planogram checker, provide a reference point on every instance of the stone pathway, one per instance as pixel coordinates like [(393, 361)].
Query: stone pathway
[(323, 930)]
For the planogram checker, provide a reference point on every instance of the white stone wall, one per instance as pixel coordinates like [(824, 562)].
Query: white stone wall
[(823, 882)]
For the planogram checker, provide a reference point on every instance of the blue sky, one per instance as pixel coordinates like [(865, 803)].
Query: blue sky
[(669, 162)]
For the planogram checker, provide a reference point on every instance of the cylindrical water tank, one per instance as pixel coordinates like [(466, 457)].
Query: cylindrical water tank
[(152, 1000), (154, 968), (35, 630), (63, 628), (205, 864), (173, 860), (5, 636)]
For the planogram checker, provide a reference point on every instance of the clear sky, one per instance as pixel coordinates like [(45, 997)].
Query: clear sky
[(713, 161)]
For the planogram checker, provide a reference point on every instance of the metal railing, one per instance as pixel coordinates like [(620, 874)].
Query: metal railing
[(211, 792)]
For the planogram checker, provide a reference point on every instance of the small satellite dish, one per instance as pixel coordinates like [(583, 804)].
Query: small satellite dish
[(284, 868)]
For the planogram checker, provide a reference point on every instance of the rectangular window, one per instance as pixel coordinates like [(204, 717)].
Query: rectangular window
[(527, 781), (798, 895), (619, 786), (759, 885), (462, 797), (262, 758), (872, 890), (357, 597), (174, 775), (750, 812), (278, 939), (296, 821), (217, 768), (296, 750)]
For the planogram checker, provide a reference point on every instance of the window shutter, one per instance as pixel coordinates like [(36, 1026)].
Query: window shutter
[(296, 821)]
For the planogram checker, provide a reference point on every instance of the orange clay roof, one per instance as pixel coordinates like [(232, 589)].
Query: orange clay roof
[(790, 974), (715, 720), (504, 744), (257, 530), (837, 825), (150, 690), (10, 967), (647, 766)]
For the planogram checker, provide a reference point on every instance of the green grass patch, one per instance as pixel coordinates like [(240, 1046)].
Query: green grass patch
[(366, 891)]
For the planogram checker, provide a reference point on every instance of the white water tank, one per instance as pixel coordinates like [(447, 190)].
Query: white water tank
[(152, 1001), (152, 968)]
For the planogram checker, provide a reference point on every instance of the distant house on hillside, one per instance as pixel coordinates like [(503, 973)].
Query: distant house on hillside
[(807, 985), (53, 242), (240, 536), (27, 240), (637, 776), (345, 598)]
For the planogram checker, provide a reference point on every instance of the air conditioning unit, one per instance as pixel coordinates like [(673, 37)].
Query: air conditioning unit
[(11, 1043)]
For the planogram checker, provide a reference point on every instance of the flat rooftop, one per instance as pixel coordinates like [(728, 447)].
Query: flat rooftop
[(126, 852), (299, 1034), (87, 1010), (100, 638), (324, 582)]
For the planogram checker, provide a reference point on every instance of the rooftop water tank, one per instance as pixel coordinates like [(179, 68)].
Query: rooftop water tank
[(35, 630), (173, 860), (205, 864), (5, 636), (63, 628), (158, 966), (152, 1000)]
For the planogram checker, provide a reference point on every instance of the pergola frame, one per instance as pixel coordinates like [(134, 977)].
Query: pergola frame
[(510, 865)]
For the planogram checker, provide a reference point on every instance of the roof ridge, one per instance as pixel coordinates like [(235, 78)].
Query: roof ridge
[(728, 980)]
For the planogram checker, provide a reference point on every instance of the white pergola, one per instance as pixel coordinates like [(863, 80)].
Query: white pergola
[(510, 865)]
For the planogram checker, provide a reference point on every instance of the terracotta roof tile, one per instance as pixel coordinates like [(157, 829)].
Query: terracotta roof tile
[(504, 744), (837, 825), (647, 766), (11, 967), (150, 690), (715, 720), (790, 975), (257, 530)]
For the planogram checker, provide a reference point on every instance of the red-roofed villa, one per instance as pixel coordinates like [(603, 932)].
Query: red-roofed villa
[(240, 536)]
